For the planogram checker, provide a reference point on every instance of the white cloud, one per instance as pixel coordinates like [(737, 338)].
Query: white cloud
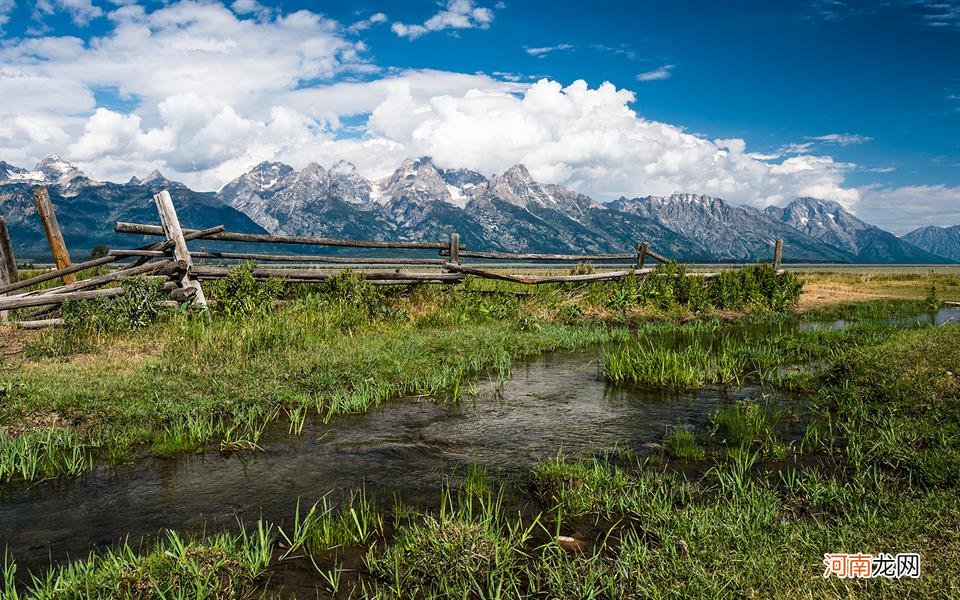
[(81, 11), (664, 72), (796, 148), (903, 209), (942, 15), (591, 140), (212, 94), (365, 24), (251, 7), (6, 7), (842, 139), (458, 14), (189, 46), (545, 50)]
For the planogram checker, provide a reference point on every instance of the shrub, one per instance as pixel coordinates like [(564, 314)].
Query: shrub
[(582, 268), (99, 251), (349, 289), (758, 285), (670, 285), (932, 299), (135, 309), (239, 293)]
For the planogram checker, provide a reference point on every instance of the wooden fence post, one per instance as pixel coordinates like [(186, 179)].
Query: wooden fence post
[(777, 255), (642, 253), (455, 248), (8, 264), (171, 228), (54, 236)]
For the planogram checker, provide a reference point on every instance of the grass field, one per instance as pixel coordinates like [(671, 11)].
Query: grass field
[(744, 507)]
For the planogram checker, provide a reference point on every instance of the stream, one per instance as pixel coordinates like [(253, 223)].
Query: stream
[(555, 402)]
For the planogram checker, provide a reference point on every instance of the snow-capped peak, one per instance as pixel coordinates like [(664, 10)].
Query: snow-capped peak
[(57, 170), (267, 174), (53, 171)]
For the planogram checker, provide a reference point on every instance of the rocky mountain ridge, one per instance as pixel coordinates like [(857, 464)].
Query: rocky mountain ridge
[(942, 241), (86, 208), (421, 201), (829, 222)]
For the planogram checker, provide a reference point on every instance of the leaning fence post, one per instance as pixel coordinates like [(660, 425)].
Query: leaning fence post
[(8, 264), (54, 236), (777, 254), (455, 248), (641, 253), (173, 232)]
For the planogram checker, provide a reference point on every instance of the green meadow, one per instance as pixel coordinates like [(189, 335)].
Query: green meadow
[(744, 505)]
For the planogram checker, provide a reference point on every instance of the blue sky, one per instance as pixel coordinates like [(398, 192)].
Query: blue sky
[(859, 102)]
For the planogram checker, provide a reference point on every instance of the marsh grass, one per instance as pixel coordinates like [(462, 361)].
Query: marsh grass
[(694, 364), (878, 475), (471, 546), (745, 423), (680, 441), (189, 381), (221, 566), (711, 353)]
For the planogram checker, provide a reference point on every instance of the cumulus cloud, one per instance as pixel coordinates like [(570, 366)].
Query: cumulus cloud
[(545, 50), (189, 46), (664, 72), (903, 209), (590, 139), (213, 93), (251, 7), (458, 14)]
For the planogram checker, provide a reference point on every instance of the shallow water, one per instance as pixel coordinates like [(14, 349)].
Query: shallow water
[(555, 402), (947, 314)]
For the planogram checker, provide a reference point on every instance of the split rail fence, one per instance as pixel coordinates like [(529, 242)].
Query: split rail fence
[(183, 269)]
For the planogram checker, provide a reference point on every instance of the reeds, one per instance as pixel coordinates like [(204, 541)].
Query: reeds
[(43, 453), (680, 441), (691, 365)]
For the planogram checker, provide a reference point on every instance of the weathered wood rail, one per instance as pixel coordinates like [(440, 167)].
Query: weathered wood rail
[(172, 260)]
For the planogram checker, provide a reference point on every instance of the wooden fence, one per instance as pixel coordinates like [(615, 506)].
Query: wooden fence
[(183, 269)]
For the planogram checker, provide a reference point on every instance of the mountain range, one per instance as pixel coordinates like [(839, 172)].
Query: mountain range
[(943, 241), (421, 201), (86, 209)]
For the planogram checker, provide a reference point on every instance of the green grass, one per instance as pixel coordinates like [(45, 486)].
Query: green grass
[(876, 469), (680, 442), (745, 423), (124, 375), (873, 309), (183, 383), (711, 353), (221, 566), (694, 364), (877, 472)]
